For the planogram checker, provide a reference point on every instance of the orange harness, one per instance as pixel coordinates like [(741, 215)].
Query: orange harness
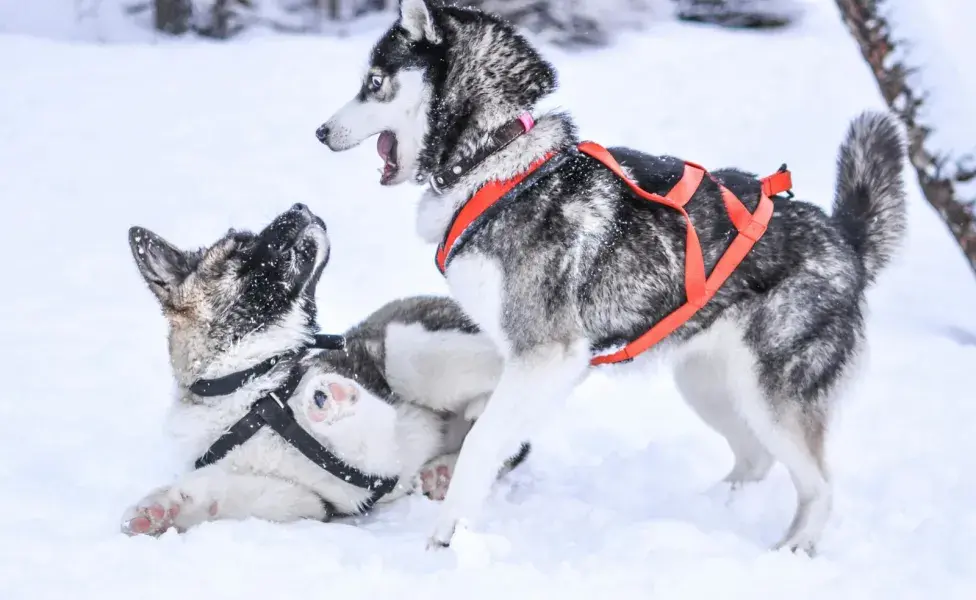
[(699, 288)]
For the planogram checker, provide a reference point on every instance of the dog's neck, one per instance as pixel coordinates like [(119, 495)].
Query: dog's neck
[(552, 132), (283, 338)]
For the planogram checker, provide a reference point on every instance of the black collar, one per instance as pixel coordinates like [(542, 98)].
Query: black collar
[(503, 136), (272, 410)]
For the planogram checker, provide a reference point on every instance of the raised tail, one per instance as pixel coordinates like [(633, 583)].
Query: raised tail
[(869, 202)]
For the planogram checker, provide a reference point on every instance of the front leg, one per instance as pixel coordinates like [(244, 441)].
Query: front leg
[(532, 385), (210, 493)]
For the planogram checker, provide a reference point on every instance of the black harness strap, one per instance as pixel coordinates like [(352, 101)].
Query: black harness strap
[(327, 341), (272, 410), (228, 384), (250, 423)]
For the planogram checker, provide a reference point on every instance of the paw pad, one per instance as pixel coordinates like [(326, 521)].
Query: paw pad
[(435, 480), (332, 402)]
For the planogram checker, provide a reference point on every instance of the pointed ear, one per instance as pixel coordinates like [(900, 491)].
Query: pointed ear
[(417, 20), (162, 265)]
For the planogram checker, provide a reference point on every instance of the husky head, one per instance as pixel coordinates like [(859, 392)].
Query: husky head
[(438, 80), (245, 298)]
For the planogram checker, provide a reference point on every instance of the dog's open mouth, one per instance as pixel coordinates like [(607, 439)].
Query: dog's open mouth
[(386, 145)]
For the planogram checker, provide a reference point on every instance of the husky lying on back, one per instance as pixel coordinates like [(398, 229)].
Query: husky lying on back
[(572, 263), (395, 402)]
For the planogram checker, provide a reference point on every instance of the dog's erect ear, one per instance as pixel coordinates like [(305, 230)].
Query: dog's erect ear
[(162, 265), (416, 19)]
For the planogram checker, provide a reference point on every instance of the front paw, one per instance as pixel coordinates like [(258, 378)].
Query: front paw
[(162, 510), (330, 403), (441, 538), (434, 544)]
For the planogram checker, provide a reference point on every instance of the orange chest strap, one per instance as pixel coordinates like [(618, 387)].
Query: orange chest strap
[(699, 288), (484, 199)]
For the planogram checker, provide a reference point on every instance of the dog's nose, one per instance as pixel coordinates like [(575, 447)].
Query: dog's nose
[(322, 133), (299, 207)]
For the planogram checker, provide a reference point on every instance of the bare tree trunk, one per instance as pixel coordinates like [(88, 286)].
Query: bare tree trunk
[(938, 175), (172, 16)]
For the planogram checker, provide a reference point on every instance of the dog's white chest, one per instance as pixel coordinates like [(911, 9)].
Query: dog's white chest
[(477, 283)]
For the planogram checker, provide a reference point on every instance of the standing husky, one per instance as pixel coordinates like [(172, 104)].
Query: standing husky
[(248, 300), (577, 265)]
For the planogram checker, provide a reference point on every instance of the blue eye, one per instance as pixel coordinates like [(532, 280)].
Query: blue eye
[(375, 82)]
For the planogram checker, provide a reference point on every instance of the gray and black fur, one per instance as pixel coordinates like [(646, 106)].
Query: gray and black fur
[(249, 297), (579, 265), (364, 357)]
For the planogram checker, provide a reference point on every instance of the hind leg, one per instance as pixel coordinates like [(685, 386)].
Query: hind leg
[(702, 381), (802, 341), (795, 438), (726, 382)]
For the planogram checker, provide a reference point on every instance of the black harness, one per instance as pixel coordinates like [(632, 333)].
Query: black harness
[(272, 410)]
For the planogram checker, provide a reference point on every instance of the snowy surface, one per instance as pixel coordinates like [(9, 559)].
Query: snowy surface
[(190, 139)]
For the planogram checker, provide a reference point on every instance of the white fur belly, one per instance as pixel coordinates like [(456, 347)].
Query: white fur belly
[(402, 450), (196, 427)]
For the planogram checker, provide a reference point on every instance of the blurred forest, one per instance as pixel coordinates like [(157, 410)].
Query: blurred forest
[(565, 22)]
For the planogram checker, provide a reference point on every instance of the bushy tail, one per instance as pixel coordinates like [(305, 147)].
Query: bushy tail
[(869, 204)]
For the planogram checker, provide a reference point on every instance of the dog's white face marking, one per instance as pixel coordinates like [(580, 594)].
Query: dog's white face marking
[(395, 106)]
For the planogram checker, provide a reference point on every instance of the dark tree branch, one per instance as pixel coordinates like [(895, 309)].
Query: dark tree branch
[(938, 173)]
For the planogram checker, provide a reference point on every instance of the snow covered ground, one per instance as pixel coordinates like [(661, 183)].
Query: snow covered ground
[(189, 139)]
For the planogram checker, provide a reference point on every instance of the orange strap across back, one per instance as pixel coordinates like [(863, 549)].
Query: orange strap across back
[(699, 288)]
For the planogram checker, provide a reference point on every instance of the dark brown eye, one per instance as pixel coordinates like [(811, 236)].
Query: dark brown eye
[(375, 82)]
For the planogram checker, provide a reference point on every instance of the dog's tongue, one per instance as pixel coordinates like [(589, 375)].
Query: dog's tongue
[(384, 145)]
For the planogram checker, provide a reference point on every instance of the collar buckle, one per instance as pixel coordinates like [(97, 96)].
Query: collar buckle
[(499, 139)]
